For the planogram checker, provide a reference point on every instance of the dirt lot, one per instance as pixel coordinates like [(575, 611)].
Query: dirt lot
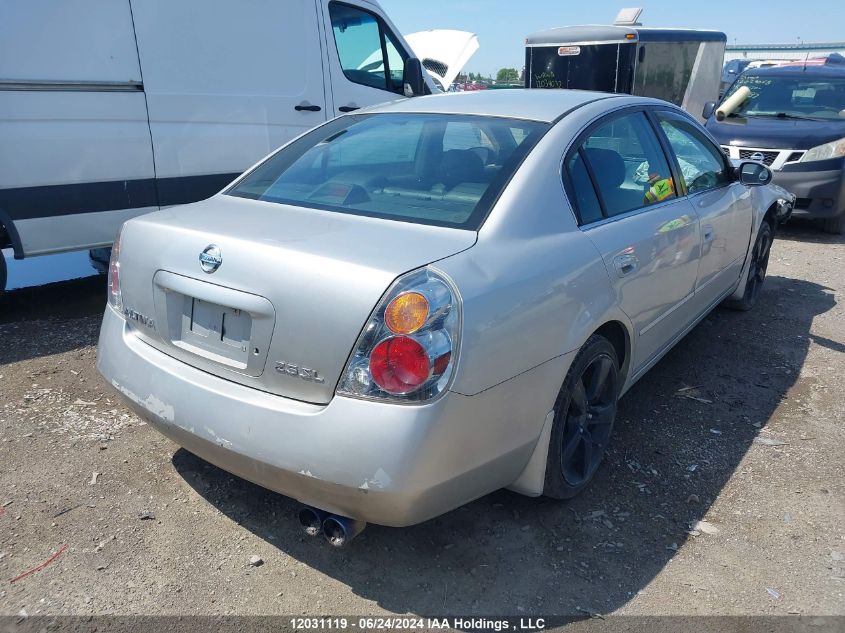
[(741, 426)]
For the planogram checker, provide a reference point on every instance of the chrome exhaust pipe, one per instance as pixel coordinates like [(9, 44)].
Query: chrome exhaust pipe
[(311, 520), (339, 531)]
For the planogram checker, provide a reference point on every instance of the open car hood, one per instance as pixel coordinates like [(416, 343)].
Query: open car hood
[(443, 52)]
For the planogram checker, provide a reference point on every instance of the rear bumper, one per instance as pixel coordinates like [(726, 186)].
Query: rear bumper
[(385, 463), (820, 194)]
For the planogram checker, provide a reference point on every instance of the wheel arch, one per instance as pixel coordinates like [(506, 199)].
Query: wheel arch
[(769, 217), (617, 333), (9, 236), (531, 480)]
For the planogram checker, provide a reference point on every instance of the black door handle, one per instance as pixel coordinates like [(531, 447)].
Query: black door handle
[(309, 108), (348, 108)]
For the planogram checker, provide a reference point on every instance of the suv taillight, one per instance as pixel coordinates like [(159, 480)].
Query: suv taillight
[(408, 349), (115, 299)]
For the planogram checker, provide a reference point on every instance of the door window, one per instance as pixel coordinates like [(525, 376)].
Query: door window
[(369, 54), (626, 166), (586, 201), (395, 62), (702, 164)]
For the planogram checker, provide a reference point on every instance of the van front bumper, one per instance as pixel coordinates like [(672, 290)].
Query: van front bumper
[(380, 462)]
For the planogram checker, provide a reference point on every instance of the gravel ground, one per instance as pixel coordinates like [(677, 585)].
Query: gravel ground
[(722, 492)]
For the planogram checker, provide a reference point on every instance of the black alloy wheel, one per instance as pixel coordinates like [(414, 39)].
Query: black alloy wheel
[(756, 270), (584, 415)]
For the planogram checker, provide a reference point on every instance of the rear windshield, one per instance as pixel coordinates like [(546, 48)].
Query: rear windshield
[(804, 96), (446, 170)]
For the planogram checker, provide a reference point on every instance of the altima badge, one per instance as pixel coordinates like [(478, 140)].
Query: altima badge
[(211, 258)]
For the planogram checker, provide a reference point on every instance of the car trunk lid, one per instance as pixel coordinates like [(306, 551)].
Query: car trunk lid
[(293, 289)]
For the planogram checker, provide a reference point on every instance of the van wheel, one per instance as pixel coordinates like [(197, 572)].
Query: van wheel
[(756, 271), (585, 411), (835, 225)]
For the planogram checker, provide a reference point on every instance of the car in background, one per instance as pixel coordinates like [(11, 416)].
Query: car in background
[(731, 70), (794, 123), (409, 307)]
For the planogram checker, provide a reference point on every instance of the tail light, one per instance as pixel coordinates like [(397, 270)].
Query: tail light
[(407, 351), (115, 299)]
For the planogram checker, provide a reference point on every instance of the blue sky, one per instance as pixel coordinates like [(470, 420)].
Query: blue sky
[(501, 25)]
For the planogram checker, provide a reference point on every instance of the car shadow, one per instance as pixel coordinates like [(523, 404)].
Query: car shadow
[(75, 306), (804, 230), (681, 434)]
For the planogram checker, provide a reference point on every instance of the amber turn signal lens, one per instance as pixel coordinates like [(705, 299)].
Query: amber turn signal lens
[(407, 313)]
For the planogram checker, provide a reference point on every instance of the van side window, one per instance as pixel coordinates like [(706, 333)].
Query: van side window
[(703, 166), (627, 164), (395, 61), (368, 52)]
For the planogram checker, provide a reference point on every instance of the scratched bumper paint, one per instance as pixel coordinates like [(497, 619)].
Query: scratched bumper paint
[(379, 462)]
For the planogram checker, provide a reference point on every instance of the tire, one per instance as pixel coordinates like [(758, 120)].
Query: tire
[(2, 274), (834, 225), (585, 411), (756, 271)]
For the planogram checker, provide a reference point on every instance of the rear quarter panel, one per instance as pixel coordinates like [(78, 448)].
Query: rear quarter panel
[(533, 287)]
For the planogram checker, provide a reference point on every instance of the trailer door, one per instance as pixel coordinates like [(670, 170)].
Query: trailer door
[(664, 70)]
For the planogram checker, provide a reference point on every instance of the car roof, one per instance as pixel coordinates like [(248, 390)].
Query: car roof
[(535, 104), (820, 70)]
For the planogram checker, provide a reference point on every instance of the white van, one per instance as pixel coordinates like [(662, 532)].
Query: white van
[(113, 108)]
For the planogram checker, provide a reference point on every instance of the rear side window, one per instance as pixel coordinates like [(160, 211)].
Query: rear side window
[(625, 166), (702, 164), (369, 54), (423, 168), (589, 208)]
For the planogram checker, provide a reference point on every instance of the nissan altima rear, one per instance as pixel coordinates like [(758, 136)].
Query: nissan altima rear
[(409, 308), (296, 331)]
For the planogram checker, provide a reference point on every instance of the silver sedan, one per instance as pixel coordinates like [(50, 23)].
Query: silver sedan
[(412, 306)]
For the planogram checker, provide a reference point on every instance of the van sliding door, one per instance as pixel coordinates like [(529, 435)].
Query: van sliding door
[(227, 83), (75, 152)]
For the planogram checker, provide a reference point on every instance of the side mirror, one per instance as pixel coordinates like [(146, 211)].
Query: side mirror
[(754, 174), (709, 107), (412, 78)]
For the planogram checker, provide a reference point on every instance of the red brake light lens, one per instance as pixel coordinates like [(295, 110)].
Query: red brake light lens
[(399, 365), (407, 350)]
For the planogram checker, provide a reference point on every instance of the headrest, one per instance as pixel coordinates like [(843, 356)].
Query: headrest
[(461, 165), (829, 99), (608, 166)]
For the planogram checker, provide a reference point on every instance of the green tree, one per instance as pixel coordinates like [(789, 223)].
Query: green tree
[(507, 76)]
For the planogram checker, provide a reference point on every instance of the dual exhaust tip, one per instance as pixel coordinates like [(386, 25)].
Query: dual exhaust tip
[(338, 530)]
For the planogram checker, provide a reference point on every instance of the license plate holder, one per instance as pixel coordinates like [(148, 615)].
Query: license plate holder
[(219, 332)]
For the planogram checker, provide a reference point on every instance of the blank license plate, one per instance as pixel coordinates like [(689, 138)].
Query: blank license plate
[(218, 329)]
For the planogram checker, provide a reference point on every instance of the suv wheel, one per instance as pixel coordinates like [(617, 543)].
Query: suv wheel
[(835, 225)]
